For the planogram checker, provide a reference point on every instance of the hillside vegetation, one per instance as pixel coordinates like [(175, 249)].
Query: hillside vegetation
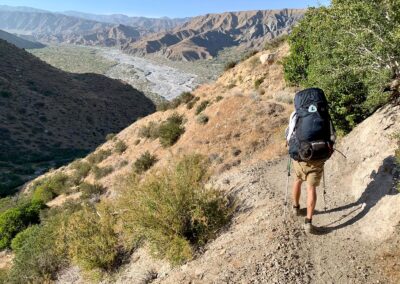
[(351, 51), (165, 161)]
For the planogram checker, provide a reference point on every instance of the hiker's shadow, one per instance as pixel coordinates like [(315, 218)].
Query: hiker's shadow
[(382, 184)]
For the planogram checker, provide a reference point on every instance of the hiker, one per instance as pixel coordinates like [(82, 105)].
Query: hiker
[(310, 136)]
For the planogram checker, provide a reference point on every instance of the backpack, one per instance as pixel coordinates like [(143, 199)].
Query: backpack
[(311, 139)]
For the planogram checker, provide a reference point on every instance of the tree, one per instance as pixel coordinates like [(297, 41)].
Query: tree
[(350, 49)]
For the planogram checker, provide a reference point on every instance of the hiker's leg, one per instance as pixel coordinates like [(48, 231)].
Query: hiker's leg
[(311, 200), (296, 192)]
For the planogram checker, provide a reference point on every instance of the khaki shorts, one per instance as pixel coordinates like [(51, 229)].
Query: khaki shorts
[(310, 171)]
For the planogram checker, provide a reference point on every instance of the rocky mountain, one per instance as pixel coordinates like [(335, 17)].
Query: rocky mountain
[(143, 23), (57, 28), (203, 37), (19, 42), (48, 116)]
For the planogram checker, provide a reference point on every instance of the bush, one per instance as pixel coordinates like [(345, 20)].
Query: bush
[(110, 136), (258, 82), (173, 210), (120, 147), (43, 194), (51, 187), (100, 172), (98, 156), (351, 51), (144, 162), (150, 131), (203, 105), (191, 104), (38, 256), (230, 65), (171, 130), (88, 190), (183, 98), (82, 170), (90, 239), (14, 220), (249, 54), (276, 42), (202, 119), (219, 98)]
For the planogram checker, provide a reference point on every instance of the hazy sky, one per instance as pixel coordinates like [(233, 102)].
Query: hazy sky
[(159, 8)]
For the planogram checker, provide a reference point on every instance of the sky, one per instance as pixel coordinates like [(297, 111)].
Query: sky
[(160, 8)]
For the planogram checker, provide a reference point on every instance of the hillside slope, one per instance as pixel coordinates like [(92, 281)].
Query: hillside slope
[(48, 115), (19, 42), (243, 138), (204, 36)]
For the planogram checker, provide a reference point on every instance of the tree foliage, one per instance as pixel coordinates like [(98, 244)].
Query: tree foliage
[(350, 49)]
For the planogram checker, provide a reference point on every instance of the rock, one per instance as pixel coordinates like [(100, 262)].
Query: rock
[(268, 58)]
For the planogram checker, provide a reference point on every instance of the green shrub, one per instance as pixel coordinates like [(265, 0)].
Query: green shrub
[(203, 105), (144, 162), (120, 147), (88, 189), (249, 55), (191, 104), (150, 131), (44, 194), (218, 98), (82, 170), (351, 51), (14, 220), (276, 42), (98, 156), (164, 106), (183, 98), (230, 65), (110, 136), (202, 119), (90, 239), (258, 82), (171, 130), (173, 211), (100, 172), (53, 185), (38, 256)]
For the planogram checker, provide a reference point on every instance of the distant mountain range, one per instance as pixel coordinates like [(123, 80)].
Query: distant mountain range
[(177, 39), (149, 24), (19, 42)]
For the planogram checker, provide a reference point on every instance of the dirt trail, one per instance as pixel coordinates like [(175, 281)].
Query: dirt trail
[(362, 216)]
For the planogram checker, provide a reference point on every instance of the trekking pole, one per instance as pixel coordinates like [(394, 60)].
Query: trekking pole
[(324, 192), (287, 185)]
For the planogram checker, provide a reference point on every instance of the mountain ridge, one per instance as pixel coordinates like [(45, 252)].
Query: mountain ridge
[(20, 42), (204, 36)]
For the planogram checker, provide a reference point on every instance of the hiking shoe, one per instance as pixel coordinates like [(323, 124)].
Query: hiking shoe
[(296, 210)]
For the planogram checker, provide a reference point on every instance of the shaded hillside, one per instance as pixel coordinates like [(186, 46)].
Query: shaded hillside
[(47, 115), (19, 42), (203, 37)]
